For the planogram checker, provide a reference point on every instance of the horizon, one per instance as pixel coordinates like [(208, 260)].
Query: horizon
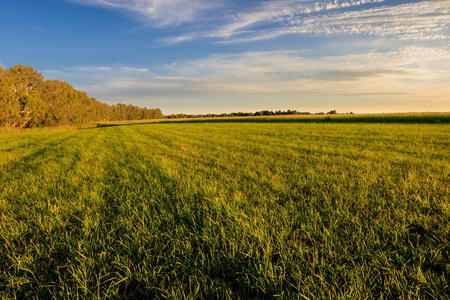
[(200, 57)]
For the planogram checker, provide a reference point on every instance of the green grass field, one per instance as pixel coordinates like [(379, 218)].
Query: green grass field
[(226, 210)]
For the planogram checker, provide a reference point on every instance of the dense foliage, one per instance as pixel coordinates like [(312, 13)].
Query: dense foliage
[(27, 100), (226, 210)]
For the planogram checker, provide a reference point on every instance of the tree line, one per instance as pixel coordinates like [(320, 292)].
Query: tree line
[(240, 114), (27, 100)]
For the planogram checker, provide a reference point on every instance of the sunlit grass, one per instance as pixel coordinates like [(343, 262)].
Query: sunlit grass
[(408, 118), (226, 210)]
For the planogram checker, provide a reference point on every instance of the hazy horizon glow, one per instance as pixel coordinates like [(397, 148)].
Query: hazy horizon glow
[(213, 56)]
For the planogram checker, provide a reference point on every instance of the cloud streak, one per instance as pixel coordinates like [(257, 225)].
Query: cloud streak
[(90, 69), (159, 13), (134, 70), (399, 75), (415, 20), (385, 51), (418, 21)]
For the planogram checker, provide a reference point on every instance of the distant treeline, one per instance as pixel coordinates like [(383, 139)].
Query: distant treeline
[(332, 117), (26, 100), (242, 114)]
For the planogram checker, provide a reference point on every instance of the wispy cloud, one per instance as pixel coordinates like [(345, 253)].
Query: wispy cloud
[(134, 70), (429, 20), (159, 12), (408, 20), (405, 75), (281, 11), (89, 68), (429, 64), (413, 21)]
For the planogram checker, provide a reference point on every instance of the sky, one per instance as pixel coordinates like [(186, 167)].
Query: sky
[(215, 56)]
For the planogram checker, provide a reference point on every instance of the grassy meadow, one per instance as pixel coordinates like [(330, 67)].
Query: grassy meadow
[(226, 210)]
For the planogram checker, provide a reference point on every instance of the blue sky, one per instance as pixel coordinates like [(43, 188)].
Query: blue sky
[(213, 56)]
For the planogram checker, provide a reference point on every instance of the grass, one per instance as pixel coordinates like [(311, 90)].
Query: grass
[(226, 210), (396, 118)]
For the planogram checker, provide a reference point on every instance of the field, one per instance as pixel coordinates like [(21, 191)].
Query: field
[(227, 210)]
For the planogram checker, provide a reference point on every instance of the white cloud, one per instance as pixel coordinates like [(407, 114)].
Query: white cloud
[(268, 68), (159, 12), (283, 10), (134, 70), (385, 78), (90, 69), (392, 59), (413, 21), (420, 21), (292, 65), (416, 21)]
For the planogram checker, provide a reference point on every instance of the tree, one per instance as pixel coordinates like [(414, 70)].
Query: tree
[(26, 100), (24, 81), (9, 107)]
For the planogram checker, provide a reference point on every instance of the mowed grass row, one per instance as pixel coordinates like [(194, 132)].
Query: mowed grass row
[(228, 211)]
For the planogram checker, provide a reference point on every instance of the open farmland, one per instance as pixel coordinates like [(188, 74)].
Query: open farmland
[(228, 210)]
